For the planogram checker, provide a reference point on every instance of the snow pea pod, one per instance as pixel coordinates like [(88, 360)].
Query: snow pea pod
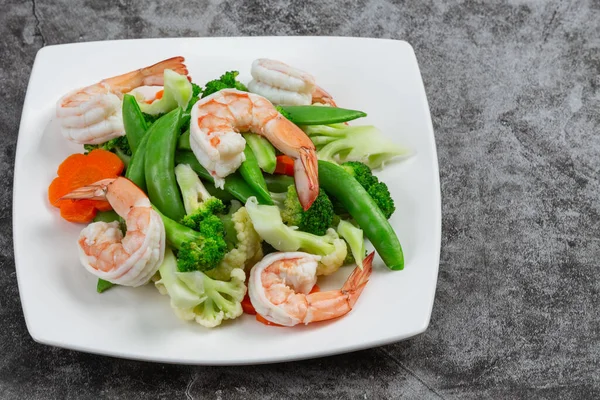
[(159, 165), (105, 216), (319, 115), (263, 151), (184, 141), (133, 121), (278, 183), (234, 183), (340, 184), (136, 169), (253, 176)]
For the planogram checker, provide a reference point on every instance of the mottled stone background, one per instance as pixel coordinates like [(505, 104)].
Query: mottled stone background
[(514, 90)]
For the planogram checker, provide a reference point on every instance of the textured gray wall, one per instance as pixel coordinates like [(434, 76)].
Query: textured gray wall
[(514, 90)]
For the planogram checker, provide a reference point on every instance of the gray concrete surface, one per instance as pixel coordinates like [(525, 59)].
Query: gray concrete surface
[(514, 90)]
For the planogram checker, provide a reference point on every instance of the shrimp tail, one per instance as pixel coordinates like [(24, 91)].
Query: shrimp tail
[(320, 95), (306, 176), (148, 76), (95, 191), (357, 281)]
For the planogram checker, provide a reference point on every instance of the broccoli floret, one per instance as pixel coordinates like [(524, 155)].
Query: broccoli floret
[(196, 296), (316, 220), (269, 226), (227, 81), (201, 208), (150, 119), (118, 145), (340, 143), (196, 92), (376, 189), (195, 251), (200, 243)]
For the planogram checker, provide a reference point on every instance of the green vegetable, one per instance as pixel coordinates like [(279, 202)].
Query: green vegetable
[(234, 183), (227, 81), (177, 92), (159, 166), (196, 252), (244, 243), (136, 171), (318, 115), (336, 181), (106, 216), (263, 150), (184, 141), (196, 91), (278, 183), (201, 208), (133, 121), (250, 171), (354, 237), (119, 146), (150, 119), (377, 190), (195, 296), (316, 220), (269, 226), (341, 143), (102, 285)]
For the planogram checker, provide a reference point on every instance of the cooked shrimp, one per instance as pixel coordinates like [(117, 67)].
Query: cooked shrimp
[(280, 284), (129, 260), (286, 85), (92, 115), (215, 140)]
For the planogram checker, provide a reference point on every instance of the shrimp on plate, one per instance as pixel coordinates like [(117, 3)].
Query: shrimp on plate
[(216, 123), (129, 260), (280, 284), (92, 115), (285, 85)]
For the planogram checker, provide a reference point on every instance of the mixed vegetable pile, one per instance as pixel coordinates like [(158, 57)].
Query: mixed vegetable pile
[(215, 233)]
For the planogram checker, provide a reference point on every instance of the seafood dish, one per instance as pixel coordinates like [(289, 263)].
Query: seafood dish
[(229, 197)]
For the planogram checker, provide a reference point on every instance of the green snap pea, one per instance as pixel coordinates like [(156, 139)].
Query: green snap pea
[(234, 183), (159, 165), (136, 171), (278, 183), (319, 115), (340, 184), (184, 141), (133, 121), (102, 285), (263, 151), (253, 176)]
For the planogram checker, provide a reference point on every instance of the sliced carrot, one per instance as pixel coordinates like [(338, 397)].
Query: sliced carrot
[(79, 170), (110, 164), (57, 189), (247, 306), (71, 165), (262, 320), (79, 211), (285, 165), (159, 94)]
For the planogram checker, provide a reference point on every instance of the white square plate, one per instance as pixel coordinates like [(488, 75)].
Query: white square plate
[(59, 297)]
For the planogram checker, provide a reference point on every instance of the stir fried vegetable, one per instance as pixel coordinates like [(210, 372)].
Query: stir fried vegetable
[(267, 222), (195, 296), (341, 143)]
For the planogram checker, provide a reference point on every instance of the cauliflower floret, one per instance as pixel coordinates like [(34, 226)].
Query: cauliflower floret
[(195, 296), (331, 262), (247, 248)]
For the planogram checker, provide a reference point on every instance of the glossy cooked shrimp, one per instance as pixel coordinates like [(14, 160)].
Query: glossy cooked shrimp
[(92, 114), (280, 284), (216, 123), (286, 85), (129, 260)]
